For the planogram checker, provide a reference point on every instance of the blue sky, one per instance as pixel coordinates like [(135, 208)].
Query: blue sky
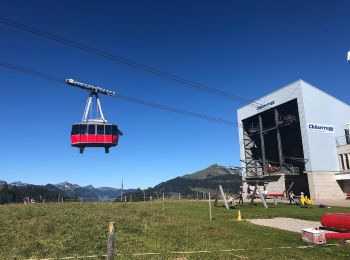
[(248, 48)]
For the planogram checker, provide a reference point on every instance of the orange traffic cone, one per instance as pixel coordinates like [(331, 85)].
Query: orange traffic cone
[(239, 217)]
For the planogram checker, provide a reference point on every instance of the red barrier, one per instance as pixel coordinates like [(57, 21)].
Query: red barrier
[(336, 220), (345, 236)]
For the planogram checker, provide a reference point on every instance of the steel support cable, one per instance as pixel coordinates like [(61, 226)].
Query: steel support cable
[(122, 97), (110, 56)]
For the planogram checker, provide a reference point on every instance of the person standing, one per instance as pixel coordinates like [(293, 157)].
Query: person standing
[(240, 197), (291, 198)]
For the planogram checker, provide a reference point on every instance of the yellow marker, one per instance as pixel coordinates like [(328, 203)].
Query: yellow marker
[(239, 217)]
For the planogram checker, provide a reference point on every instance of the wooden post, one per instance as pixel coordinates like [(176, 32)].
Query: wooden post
[(110, 247), (163, 202), (179, 195), (216, 198), (144, 196), (254, 193), (223, 197), (209, 208)]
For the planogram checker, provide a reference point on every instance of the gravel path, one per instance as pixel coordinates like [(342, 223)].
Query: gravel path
[(290, 224)]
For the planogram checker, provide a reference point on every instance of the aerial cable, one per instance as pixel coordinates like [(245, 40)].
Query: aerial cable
[(122, 97), (119, 59)]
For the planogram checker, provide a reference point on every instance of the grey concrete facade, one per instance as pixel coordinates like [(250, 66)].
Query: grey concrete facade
[(322, 118)]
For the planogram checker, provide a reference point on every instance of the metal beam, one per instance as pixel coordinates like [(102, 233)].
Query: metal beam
[(262, 143), (279, 142), (88, 87)]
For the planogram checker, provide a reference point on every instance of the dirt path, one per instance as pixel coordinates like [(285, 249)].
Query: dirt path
[(290, 224)]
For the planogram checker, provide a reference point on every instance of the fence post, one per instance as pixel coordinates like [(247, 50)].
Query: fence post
[(163, 201), (209, 208), (110, 246)]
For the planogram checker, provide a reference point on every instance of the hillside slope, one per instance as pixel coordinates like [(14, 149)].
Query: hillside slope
[(189, 185)]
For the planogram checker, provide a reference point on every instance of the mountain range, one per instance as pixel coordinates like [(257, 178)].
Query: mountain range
[(16, 191), (189, 185), (193, 185)]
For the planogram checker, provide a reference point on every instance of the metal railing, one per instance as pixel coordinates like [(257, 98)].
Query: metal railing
[(257, 170)]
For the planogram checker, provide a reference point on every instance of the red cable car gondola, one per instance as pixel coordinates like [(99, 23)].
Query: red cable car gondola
[(94, 132)]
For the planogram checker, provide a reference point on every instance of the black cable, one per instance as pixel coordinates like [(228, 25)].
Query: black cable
[(126, 98), (128, 62)]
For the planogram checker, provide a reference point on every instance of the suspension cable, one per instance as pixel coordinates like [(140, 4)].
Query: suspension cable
[(119, 59), (122, 97)]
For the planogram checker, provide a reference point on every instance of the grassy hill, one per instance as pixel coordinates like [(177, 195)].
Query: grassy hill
[(207, 180), (211, 171), (53, 230)]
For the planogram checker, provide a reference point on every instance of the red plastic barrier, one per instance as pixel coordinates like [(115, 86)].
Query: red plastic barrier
[(336, 220), (345, 236), (275, 194)]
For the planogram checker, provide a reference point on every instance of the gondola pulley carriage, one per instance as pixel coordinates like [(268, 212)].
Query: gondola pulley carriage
[(94, 131)]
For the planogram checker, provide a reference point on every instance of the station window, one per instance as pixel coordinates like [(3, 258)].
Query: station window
[(347, 136), (342, 162), (91, 130)]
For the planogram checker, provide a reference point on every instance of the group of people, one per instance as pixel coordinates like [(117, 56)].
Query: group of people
[(250, 190), (231, 200), (302, 200), (27, 200)]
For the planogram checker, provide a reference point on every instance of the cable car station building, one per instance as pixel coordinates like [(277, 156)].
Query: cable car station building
[(297, 138)]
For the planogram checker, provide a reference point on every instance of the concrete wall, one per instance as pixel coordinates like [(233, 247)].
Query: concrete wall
[(314, 107), (323, 185), (320, 148), (276, 187)]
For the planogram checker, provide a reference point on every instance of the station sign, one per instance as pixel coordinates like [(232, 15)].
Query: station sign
[(271, 103), (321, 128)]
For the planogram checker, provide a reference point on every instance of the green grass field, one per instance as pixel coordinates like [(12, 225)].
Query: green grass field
[(80, 229)]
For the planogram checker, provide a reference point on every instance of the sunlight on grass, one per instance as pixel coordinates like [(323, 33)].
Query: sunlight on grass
[(72, 229)]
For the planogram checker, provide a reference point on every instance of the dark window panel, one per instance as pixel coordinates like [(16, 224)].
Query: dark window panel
[(83, 129), (92, 129), (75, 130), (108, 129), (100, 129)]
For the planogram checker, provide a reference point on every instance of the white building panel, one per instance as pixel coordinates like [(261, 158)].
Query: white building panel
[(322, 118)]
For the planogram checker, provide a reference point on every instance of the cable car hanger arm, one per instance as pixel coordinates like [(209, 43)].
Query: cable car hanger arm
[(91, 88)]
